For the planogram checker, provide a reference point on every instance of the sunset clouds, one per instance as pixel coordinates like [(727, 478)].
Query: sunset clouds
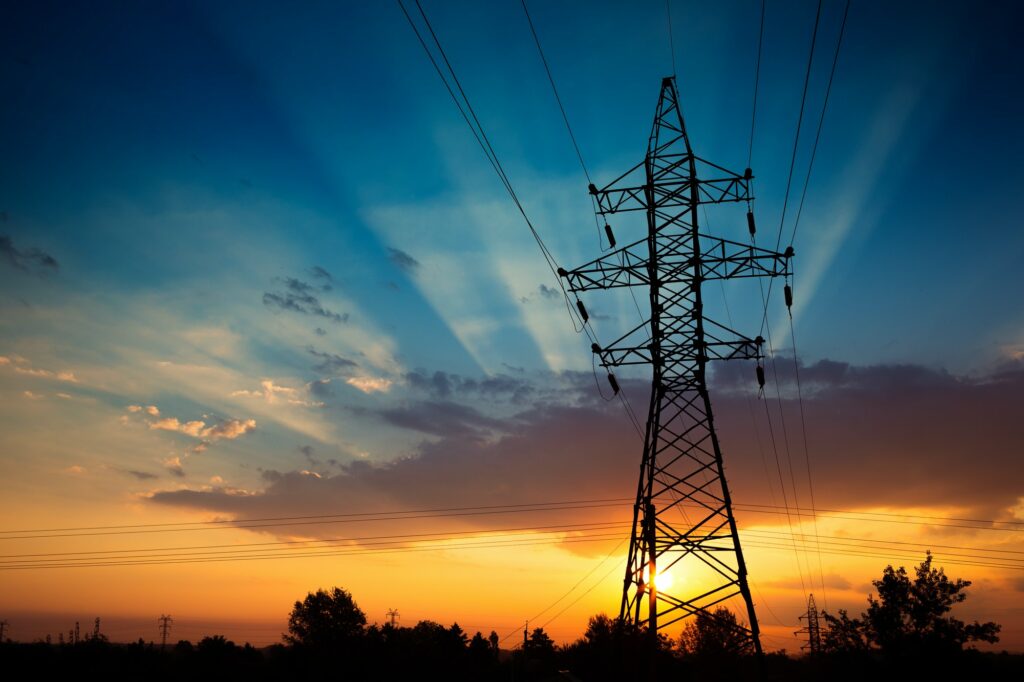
[(230, 428)]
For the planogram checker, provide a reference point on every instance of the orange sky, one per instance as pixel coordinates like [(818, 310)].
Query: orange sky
[(481, 589)]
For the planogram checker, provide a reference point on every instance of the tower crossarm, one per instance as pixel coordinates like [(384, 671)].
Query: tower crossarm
[(719, 343), (671, 185), (720, 259)]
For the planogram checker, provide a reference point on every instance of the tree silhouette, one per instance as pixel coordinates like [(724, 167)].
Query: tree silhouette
[(614, 650), (458, 635), (480, 656), (493, 640), (326, 620), (479, 647), (539, 645), (909, 616), (715, 634)]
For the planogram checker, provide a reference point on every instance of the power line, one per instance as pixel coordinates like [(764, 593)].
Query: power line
[(789, 452), (571, 589), (891, 556), (997, 525), (436, 535), (475, 126), (792, 162), (757, 81), (764, 321), (577, 599), (353, 517), (977, 552), (799, 123), (151, 561), (554, 89), (807, 451), (489, 151), (485, 144), (728, 314), (979, 556), (785, 502), (821, 120)]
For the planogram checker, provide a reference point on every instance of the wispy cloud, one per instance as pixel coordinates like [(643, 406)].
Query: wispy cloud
[(173, 466), (32, 260), (331, 363), (274, 393), (497, 386), (370, 384), (227, 429), (302, 297), (403, 260), (22, 366)]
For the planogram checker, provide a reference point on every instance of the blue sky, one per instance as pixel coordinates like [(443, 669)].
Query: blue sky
[(150, 157), (275, 214)]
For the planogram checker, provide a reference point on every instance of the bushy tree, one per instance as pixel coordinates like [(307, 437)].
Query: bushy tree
[(481, 657), (539, 645), (326, 620), (479, 647), (909, 616), (843, 634), (611, 649), (715, 634)]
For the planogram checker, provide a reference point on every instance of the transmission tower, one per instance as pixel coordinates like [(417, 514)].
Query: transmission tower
[(3, 630), (812, 629), (682, 462), (393, 617), (165, 627)]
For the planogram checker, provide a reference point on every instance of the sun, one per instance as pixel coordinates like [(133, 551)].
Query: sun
[(662, 581)]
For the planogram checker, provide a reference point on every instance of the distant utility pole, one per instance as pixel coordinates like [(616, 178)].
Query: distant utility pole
[(812, 629), (165, 627), (77, 633), (526, 629), (392, 616), (681, 468)]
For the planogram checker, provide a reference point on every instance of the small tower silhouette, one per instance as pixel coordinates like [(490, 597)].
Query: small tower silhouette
[(812, 629), (165, 626)]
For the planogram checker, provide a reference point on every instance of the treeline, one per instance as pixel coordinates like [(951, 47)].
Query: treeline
[(907, 630)]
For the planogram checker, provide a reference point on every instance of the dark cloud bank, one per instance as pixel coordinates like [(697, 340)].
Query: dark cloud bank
[(880, 435)]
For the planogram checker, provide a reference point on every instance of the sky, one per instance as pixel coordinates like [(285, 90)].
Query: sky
[(254, 265)]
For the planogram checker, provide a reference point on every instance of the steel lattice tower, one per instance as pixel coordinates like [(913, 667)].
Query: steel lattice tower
[(682, 462), (812, 629)]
